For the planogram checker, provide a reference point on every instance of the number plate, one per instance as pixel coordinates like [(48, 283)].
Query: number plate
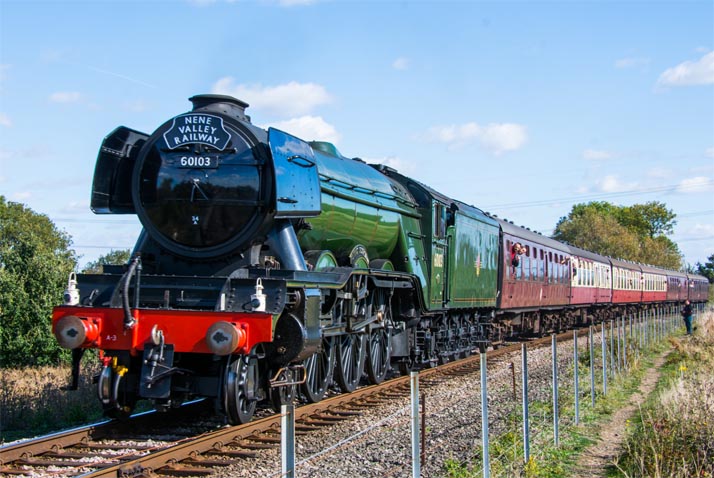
[(196, 161)]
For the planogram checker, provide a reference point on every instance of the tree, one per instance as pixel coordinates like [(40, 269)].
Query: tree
[(636, 233), (601, 233), (112, 258), (35, 262), (651, 219), (706, 269), (660, 251)]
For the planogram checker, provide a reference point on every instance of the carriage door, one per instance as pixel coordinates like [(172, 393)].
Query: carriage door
[(439, 257)]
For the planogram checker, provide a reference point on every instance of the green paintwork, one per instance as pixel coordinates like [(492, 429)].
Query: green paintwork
[(363, 207), (360, 206), (409, 255), (473, 262), (320, 260)]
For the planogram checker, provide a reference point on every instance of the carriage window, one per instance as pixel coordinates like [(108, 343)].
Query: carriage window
[(592, 274), (556, 268)]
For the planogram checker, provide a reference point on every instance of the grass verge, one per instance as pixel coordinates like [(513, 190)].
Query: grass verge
[(33, 400), (547, 460), (673, 433)]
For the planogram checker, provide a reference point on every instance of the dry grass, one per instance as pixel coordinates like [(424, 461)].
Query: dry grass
[(32, 400), (675, 434)]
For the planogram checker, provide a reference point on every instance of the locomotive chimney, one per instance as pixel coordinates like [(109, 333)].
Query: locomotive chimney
[(220, 104)]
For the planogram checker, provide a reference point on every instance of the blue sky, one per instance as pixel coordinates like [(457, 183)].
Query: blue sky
[(520, 108)]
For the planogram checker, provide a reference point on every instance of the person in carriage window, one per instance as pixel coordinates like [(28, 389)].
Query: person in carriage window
[(516, 251)]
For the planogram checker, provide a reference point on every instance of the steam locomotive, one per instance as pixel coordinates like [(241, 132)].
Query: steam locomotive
[(269, 267)]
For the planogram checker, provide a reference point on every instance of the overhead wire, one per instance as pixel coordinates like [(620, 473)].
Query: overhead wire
[(585, 197)]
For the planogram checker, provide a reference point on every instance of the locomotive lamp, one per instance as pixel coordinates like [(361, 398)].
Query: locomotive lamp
[(224, 338), (71, 294), (258, 299), (73, 332)]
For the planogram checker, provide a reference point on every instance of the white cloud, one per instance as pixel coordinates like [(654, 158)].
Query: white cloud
[(696, 184), (309, 128), (496, 137), (401, 165), (709, 152), (623, 63), (3, 68), (593, 154), (401, 63), (611, 184), (290, 99), (503, 137), (5, 120), (65, 97), (700, 72)]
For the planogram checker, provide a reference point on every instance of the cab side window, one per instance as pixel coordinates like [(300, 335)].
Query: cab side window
[(439, 220)]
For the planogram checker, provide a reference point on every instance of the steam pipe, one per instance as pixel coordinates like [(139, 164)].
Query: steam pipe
[(283, 240)]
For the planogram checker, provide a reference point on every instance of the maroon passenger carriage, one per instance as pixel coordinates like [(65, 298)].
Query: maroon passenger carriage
[(654, 285), (626, 284), (534, 285), (676, 286), (697, 288), (547, 286), (590, 285)]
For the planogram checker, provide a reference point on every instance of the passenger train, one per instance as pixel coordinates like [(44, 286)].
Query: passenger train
[(269, 267)]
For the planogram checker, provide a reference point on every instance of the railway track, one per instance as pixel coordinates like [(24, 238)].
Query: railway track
[(121, 449)]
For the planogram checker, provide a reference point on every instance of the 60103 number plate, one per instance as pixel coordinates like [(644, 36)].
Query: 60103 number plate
[(197, 161)]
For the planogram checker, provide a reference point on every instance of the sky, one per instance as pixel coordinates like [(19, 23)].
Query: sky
[(522, 109)]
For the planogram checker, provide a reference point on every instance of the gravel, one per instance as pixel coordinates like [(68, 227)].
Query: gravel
[(378, 442)]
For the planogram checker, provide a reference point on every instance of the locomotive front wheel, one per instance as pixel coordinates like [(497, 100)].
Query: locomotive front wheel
[(350, 361), (319, 368), (239, 389)]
